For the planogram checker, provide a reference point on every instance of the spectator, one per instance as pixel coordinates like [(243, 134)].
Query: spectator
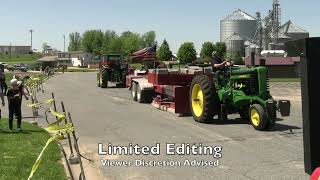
[(14, 96), (2, 101), (3, 83)]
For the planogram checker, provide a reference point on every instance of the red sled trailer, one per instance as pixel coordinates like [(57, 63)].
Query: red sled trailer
[(166, 89)]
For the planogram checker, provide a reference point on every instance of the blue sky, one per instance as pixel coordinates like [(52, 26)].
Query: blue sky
[(176, 20)]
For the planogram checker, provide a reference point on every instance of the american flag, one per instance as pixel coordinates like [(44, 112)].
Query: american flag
[(145, 54)]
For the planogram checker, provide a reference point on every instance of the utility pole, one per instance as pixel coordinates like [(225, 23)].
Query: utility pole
[(10, 50), (31, 31), (64, 43)]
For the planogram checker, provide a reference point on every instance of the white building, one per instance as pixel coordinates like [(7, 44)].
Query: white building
[(74, 58)]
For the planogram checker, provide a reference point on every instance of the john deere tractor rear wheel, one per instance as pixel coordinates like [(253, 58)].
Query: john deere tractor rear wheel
[(203, 99), (258, 117), (103, 78)]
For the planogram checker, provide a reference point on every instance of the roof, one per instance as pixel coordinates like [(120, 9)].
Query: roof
[(48, 59), (14, 46), (289, 27), (251, 44), (234, 37), (72, 52), (239, 15), (281, 35), (274, 61)]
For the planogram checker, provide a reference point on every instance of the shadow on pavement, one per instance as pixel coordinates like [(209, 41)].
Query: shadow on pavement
[(229, 121), (277, 127), (284, 127)]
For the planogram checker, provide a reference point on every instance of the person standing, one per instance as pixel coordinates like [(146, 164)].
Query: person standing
[(2, 100), (63, 69), (3, 83), (14, 96)]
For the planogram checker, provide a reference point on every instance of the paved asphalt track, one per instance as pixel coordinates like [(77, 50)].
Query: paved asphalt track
[(110, 116)]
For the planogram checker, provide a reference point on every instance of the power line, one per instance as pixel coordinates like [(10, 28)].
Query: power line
[(64, 43)]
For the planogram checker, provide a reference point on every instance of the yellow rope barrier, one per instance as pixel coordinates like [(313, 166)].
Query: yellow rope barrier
[(59, 132)]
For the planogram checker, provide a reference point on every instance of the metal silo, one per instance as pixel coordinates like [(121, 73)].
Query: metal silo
[(240, 23), (235, 45), (293, 31)]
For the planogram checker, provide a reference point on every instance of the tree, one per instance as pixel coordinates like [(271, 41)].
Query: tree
[(164, 52), (45, 46), (148, 39), (131, 42), (206, 51), (221, 48), (98, 42), (116, 46), (74, 41), (187, 52), (108, 38), (238, 59), (92, 41), (87, 41)]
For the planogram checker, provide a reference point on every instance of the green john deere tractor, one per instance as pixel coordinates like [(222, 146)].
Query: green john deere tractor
[(240, 90), (113, 69)]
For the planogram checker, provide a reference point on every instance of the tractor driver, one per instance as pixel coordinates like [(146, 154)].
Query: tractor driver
[(218, 63)]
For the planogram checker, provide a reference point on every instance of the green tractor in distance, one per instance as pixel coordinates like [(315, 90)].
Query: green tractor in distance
[(238, 90), (112, 68)]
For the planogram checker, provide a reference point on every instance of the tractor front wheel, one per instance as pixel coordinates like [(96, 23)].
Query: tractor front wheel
[(203, 99), (258, 117)]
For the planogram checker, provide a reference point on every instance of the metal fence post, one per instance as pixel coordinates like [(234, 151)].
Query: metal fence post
[(77, 149)]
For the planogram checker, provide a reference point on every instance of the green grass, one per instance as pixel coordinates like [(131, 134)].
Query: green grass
[(9, 76), (177, 66), (17, 59), (284, 79), (19, 151)]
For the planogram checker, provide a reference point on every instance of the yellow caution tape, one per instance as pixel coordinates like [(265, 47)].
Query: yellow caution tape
[(33, 82), (35, 79), (49, 101), (38, 105), (35, 105), (58, 115), (60, 130), (38, 161), (54, 124)]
